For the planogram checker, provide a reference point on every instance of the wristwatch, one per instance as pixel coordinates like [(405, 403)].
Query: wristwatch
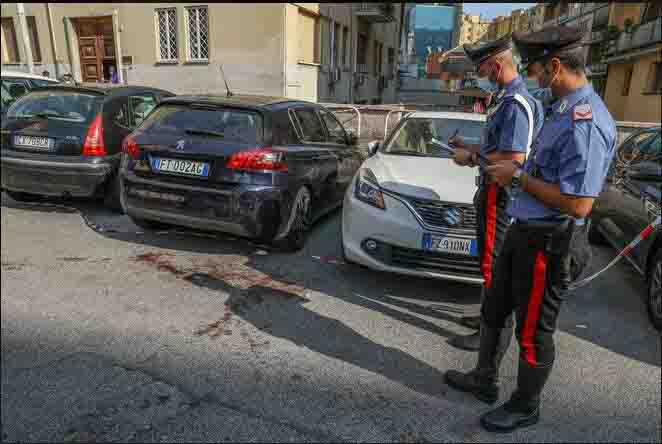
[(516, 183)]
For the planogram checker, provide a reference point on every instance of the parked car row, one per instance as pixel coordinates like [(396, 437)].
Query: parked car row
[(266, 168)]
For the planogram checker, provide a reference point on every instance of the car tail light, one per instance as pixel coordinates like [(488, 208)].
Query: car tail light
[(263, 159), (130, 147), (94, 141)]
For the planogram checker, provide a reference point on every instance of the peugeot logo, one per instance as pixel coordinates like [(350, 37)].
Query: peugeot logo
[(180, 145), (452, 217)]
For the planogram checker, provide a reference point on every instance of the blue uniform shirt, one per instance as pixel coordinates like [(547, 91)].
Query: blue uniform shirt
[(574, 149), (508, 127)]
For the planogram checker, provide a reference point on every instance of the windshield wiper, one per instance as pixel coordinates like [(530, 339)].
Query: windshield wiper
[(201, 132)]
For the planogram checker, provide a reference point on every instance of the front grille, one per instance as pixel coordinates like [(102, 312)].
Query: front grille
[(433, 213), (437, 262)]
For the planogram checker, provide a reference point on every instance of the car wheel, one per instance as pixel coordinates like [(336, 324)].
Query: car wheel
[(594, 235), (20, 196), (299, 223), (111, 199), (150, 225), (655, 291)]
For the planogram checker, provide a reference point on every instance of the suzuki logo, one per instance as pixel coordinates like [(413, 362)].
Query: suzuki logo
[(452, 216), (180, 145)]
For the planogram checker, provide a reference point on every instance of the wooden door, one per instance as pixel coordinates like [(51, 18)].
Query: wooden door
[(97, 47)]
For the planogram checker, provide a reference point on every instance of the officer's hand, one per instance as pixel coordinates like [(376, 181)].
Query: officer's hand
[(502, 172), (462, 157), (457, 142)]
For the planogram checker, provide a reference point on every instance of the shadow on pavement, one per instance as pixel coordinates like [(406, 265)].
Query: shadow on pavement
[(589, 314)]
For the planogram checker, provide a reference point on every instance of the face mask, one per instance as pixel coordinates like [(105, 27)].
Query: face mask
[(547, 84)]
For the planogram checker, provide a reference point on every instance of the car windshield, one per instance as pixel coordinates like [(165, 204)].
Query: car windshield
[(420, 136), (227, 124), (71, 106)]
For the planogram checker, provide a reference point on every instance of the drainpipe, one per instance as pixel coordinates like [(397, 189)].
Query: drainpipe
[(20, 10), (51, 29), (118, 46)]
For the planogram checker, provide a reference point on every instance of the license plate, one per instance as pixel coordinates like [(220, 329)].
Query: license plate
[(453, 245), (42, 143), (181, 166)]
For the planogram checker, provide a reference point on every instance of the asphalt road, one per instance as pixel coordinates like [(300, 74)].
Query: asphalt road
[(109, 333)]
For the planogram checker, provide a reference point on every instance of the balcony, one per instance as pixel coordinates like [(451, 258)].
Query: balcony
[(375, 12), (644, 35)]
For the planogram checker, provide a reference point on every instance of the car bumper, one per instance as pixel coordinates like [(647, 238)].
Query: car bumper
[(53, 176), (399, 239), (251, 211)]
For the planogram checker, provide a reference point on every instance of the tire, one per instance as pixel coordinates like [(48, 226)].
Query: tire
[(150, 225), (111, 199), (654, 299), (20, 196), (594, 235), (298, 225)]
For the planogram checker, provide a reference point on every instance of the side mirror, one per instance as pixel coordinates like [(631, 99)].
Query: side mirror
[(352, 140), (373, 147)]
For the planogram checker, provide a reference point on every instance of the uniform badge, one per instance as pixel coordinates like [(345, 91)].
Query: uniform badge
[(582, 112)]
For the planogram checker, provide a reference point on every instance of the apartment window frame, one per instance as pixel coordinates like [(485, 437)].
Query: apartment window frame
[(9, 26), (625, 90), (33, 35), (336, 30), (317, 38), (157, 32), (345, 48), (189, 49), (654, 79)]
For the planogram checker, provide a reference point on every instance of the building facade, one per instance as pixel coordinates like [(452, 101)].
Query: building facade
[(472, 29), (280, 49)]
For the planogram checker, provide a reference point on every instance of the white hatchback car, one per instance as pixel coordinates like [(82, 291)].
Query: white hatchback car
[(409, 209)]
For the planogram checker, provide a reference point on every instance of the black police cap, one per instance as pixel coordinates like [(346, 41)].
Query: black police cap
[(540, 45), (480, 52)]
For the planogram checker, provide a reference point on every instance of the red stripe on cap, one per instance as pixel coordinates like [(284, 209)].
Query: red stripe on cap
[(490, 235), (533, 310)]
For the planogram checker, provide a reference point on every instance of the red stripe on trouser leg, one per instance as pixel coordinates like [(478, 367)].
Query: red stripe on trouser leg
[(490, 233), (533, 310)]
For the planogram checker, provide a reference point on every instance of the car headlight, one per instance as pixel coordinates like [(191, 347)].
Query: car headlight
[(367, 189)]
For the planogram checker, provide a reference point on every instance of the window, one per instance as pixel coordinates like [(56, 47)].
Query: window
[(309, 38), (119, 113), (310, 124), (166, 22), (625, 91), (361, 52), (654, 82), (34, 39), (416, 135), (283, 131), (140, 107), (9, 45), (336, 131), (197, 27), (375, 59), (345, 34), (335, 44), (391, 62)]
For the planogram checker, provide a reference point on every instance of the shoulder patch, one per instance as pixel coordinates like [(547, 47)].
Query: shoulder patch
[(582, 112)]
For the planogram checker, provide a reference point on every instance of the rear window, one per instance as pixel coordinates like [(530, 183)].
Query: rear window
[(229, 124), (417, 136), (61, 105)]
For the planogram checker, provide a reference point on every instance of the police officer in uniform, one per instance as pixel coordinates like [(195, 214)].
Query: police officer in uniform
[(514, 119), (546, 247)]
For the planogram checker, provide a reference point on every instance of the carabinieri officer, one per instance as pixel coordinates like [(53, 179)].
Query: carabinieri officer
[(514, 118), (547, 246)]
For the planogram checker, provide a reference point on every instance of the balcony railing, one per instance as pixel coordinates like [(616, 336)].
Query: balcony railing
[(375, 12), (598, 68), (644, 35)]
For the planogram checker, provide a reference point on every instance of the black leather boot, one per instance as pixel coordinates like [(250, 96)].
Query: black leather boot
[(523, 408), (468, 342), (482, 381), (471, 321)]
